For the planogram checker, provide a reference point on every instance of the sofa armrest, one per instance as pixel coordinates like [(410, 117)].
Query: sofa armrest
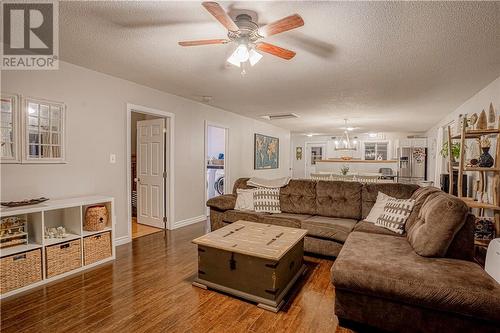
[(222, 202)]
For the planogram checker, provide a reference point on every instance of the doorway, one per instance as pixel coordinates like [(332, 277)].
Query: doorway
[(149, 171), (315, 151), (216, 162)]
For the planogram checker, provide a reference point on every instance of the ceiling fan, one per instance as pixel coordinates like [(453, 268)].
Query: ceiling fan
[(247, 35)]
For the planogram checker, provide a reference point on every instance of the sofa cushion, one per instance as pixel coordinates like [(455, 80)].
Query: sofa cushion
[(339, 199), (298, 197), (387, 267), (395, 190), (329, 227), (462, 246), (233, 215), (368, 227), (420, 195), (440, 218), (299, 217)]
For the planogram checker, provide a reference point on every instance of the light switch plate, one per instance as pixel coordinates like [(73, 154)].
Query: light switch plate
[(112, 158)]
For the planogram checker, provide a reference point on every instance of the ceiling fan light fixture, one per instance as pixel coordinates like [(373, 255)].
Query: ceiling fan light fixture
[(254, 57), (240, 55), (233, 61)]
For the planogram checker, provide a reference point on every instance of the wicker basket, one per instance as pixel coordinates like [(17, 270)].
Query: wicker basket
[(63, 257), (96, 218), (97, 247), (20, 270)]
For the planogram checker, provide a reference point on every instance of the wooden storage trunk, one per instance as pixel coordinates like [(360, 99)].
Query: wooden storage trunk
[(262, 279), (20, 270), (251, 260), (63, 257), (97, 247)]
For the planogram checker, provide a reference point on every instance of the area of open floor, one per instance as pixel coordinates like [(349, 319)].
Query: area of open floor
[(148, 289)]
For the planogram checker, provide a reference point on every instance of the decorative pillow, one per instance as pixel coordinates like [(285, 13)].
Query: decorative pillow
[(378, 207), (244, 199), (396, 212), (266, 200)]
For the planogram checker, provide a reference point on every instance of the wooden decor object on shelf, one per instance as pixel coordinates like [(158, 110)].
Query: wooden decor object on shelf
[(491, 117), (473, 120), (482, 122), (28, 202)]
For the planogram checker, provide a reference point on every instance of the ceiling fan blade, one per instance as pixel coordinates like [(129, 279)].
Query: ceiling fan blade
[(285, 24), (203, 42), (220, 14), (275, 50)]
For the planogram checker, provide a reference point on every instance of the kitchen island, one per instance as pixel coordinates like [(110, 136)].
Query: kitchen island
[(356, 166)]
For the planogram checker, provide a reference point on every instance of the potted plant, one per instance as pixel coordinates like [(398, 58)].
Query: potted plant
[(344, 170), (455, 152)]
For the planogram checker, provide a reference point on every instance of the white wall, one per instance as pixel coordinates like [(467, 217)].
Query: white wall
[(480, 101), (216, 141), (96, 126)]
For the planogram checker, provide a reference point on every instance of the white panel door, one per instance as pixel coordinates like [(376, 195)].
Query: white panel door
[(314, 152), (150, 172)]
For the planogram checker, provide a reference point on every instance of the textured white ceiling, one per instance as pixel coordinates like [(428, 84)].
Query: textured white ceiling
[(387, 66)]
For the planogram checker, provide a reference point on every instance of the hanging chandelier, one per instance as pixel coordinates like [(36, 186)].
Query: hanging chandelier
[(345, 143)]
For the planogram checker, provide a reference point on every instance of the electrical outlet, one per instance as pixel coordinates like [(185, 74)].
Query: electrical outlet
[(112, 158)]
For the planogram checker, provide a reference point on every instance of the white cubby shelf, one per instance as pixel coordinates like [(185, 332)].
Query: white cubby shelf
[(69, 213)]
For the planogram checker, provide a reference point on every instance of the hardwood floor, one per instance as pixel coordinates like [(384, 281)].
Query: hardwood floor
[(139, 230), (148, 289)]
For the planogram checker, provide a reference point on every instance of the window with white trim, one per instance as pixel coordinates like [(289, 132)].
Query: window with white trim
[(9, 129), (44, 136), (376, 151)]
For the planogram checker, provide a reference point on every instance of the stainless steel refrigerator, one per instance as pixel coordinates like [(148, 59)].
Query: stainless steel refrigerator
[(412, 165)]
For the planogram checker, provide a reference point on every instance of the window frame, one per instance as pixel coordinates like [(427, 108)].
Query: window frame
[(376, 143), (16, 129), (26, 159)]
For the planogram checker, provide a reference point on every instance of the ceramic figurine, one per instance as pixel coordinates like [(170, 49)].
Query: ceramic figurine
[(482, 122), (491, 117), (61, 232)]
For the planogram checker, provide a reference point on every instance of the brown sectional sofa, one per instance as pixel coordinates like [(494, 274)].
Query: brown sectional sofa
[(422, 281), (329, 210)]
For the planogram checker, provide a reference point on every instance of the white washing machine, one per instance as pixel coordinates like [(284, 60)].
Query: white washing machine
[(215, 180)]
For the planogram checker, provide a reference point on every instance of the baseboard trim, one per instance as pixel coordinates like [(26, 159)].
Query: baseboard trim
[(122, 240), (186, 222)]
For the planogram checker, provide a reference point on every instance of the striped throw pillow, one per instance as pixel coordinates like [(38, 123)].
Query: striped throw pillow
[(266, 200), (396, 212)]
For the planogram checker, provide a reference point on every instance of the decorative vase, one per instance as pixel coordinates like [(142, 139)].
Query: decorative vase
[(486, 160)]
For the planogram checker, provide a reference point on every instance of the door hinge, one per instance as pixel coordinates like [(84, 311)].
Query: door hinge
[(165, 219), (164, 174)]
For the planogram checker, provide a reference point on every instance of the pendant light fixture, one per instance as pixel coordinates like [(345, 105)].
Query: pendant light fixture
[(345, 143)]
